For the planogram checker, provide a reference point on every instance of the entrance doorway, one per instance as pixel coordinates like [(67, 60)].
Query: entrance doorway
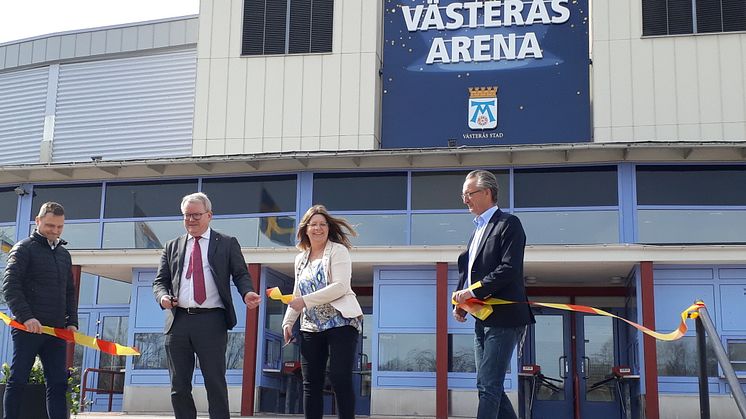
[(576, 353)]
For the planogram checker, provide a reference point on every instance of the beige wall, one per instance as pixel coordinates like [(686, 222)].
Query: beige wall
[(291, 102), (674, 88)]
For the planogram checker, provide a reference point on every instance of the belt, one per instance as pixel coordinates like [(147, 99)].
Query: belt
[(198, 310)]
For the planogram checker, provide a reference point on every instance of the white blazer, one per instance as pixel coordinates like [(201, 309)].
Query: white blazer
[(338, 291)]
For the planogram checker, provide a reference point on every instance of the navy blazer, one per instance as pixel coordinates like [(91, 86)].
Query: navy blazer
[(226, 262), (498, 264)]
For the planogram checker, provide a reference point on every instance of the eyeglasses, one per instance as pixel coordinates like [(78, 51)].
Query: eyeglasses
[(196, 216), (322, 225), (469, 194)]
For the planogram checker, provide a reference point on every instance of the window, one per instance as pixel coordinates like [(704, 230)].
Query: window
[(363, 192), (411, 352), (80, 201), (674, 17), (691, 185), (8, 205), (251, 195), (146, 199), (440, 190), (287, 26), (737, 355), (566, 187), (679, 358)]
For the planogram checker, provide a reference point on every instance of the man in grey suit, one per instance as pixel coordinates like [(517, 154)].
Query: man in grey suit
[(193, 286)]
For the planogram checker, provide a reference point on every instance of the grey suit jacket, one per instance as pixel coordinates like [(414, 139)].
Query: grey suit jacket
[(226, 262)]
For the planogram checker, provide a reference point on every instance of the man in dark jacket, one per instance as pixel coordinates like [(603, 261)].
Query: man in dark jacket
[(38, 286), (492, 266)]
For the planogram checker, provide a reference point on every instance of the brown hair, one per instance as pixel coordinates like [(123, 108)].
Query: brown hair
[(336, 228), (51, 208)]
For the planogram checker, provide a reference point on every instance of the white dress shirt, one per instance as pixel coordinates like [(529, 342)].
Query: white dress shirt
[(480, 221), (186, 288)]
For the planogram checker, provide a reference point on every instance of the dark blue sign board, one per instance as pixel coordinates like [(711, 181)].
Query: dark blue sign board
[(485, 72)]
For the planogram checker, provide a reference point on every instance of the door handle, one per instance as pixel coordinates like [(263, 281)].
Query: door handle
[(563, 366), (585, 367)]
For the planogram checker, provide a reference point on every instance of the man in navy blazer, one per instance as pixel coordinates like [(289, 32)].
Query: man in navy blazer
[(193, 287), (492, 266)]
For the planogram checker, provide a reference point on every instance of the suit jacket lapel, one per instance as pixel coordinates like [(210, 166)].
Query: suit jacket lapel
[(180, 256), (213, 246)]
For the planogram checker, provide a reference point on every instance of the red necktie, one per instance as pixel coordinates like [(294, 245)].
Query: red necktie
[(198, 275)]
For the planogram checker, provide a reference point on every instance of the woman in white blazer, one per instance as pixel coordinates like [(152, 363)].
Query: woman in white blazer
[(331, 317)]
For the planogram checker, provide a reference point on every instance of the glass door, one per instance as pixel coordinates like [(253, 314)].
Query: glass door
[(111, 326), (576, 353)]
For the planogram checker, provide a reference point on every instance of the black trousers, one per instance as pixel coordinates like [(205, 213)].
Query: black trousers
[(206, 336), (338, 345)]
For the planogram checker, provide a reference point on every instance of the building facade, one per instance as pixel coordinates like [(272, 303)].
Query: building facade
[(617, 131)]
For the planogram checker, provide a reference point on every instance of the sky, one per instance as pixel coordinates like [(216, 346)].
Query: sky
[(20, 19)]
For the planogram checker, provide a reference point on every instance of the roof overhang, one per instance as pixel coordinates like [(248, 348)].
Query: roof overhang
[(550, 265), (457, 157)]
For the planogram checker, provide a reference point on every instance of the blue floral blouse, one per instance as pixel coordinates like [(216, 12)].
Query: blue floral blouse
[(324, 316)]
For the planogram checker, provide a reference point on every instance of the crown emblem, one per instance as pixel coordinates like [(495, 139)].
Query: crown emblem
[(482, 92)]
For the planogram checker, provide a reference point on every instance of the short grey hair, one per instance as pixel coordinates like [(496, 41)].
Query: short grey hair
[(485, 180), (197, 197)]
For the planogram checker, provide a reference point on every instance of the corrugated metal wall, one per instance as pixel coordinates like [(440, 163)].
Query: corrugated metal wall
[(129, 108), (23, 98)]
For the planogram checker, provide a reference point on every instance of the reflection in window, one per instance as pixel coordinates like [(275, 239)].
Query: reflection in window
[(251, 195), (146, 199), (441, 229), (259, 232), (737, 354), (87, 289), (676, 226), (679, 358), (81, 235), (112, 291), (141, 234), (8, 205), (152, 351), (414, 352), (7, 240), (234, 351), (365, 191), (275, 311), (80, 201), (114, 330), (599, 352), (461, 353), (378, 230), (440, 190), (570, 227), (234, 354), (686, 185), (565, 187)]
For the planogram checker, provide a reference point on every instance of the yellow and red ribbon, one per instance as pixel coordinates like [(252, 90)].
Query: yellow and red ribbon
[(481, 309), (78, 338), (276, 294)]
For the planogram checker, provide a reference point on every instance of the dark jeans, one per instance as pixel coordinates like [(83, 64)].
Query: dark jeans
[(51, 351), (493, 348), (206, 336), (338, 345)]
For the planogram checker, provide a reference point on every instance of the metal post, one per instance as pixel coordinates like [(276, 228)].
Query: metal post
[(704, 391), (722, 357)]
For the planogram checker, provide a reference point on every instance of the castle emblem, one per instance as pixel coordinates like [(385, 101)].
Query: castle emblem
[(483, 107)]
